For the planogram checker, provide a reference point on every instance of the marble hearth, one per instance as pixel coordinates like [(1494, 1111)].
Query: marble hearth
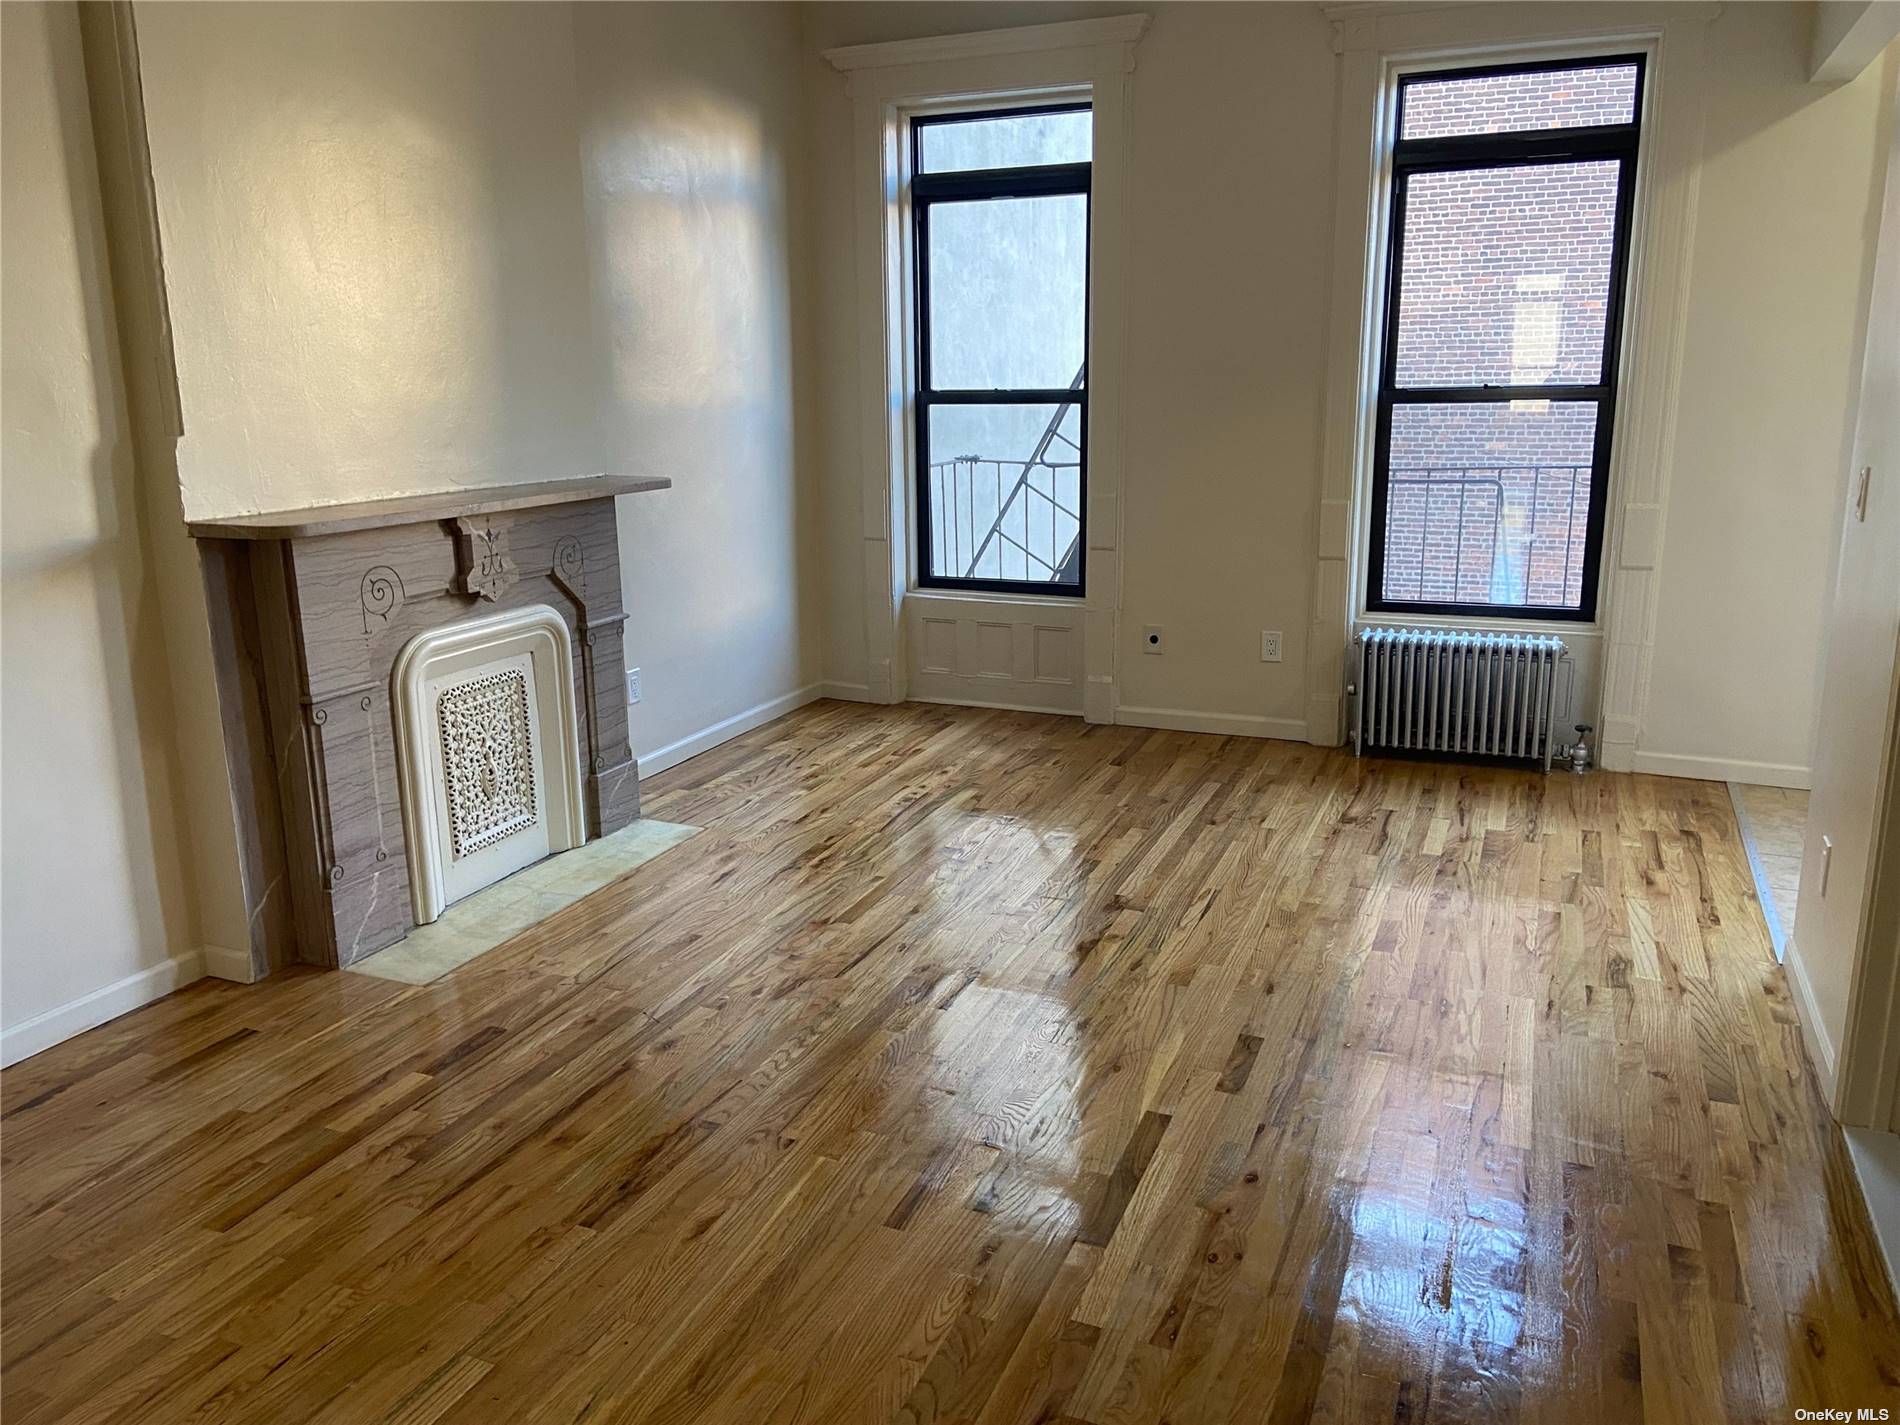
[(333, 628)]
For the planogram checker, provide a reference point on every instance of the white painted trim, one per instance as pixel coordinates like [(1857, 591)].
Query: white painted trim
[(1848, 36), (726, 729), (117, 35), (1374, 43), (223, 963), (62, 1022), (1721, 769), (844, 692), (1868, 1081), (979, 44), (1876, 1159), (1091, 59), (1023, 678), (1288, 729), (1808, 1015), (995, 706), (535, 629), (1064, 699)]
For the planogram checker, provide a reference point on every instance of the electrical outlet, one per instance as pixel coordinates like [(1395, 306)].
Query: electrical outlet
[(633, 685), (1269, 645), (1151, 638)]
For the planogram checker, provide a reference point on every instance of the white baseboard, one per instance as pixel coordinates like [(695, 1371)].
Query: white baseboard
[(1876, 1159), (62, 1022), (1721, 769), (1813, 1028), (224, 964), (845, 692), (725, 730), (993, 705), (1010, 694), (1287, 729)]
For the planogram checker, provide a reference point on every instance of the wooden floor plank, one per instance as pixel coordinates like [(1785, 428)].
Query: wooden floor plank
[(980, 1066)]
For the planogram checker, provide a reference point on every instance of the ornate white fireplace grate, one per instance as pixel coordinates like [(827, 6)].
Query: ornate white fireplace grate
[(489, 750), (488, 760)]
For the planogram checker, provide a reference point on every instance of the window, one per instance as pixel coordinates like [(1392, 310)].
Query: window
[(1000, 201), (1509, 245)]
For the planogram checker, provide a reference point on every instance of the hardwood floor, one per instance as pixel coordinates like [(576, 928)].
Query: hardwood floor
[(988, 1067)]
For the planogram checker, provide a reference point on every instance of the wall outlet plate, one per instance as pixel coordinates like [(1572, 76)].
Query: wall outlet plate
[(1151, 638), (1269, 645), (633, 685)]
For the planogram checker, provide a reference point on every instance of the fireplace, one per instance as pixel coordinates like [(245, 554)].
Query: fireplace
[(422, 695), (487, 747)]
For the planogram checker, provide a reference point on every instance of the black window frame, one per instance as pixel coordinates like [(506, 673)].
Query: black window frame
[(1530, 148), (926, 190)]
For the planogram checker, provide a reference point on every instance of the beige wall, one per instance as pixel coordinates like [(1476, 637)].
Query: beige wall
[(1231, 249), (415, 247), (374, 247), (1790, 194), (95, 893), (1834, 943), (691, 138), (1230, 245)]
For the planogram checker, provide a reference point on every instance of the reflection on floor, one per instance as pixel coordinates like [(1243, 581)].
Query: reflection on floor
[(985, 1067), (494, 916), (1773, 822)]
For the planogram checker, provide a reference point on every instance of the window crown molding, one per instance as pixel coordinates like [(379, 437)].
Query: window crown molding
[(1398, 25), (1024, 39)]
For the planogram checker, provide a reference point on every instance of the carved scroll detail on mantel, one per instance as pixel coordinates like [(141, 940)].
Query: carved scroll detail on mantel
[(381, 594), (481, 554), (570, 569)]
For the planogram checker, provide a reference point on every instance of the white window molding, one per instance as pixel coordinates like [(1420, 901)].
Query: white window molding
[(887, 83), (1375, 44), (988, 44)]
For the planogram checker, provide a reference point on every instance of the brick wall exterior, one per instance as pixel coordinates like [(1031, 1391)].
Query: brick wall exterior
[(1506, 281), (1514, 103), (1489, 503)]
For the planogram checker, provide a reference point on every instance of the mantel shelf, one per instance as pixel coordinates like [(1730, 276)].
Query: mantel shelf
[(418, 509)]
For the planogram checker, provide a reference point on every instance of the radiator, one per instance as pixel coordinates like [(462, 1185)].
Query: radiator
[(1478, 694)]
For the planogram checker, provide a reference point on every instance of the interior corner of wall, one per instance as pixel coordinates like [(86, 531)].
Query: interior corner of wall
[(1325, 724), (200, 744), (223, 963), (1617, 740)]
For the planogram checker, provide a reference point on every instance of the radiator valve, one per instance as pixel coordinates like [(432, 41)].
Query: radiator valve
[(1579, 753)]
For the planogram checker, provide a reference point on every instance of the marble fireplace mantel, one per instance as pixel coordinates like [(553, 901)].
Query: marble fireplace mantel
[(318, 520), (309, 611)]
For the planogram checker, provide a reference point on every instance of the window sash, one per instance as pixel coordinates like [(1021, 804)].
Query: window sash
[(926, 190), (1476, 152), (921, 122), (1583, 132)]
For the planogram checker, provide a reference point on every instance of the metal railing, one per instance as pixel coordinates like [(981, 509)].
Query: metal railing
[(984, 508), (1516, 532), (1024, 525)]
